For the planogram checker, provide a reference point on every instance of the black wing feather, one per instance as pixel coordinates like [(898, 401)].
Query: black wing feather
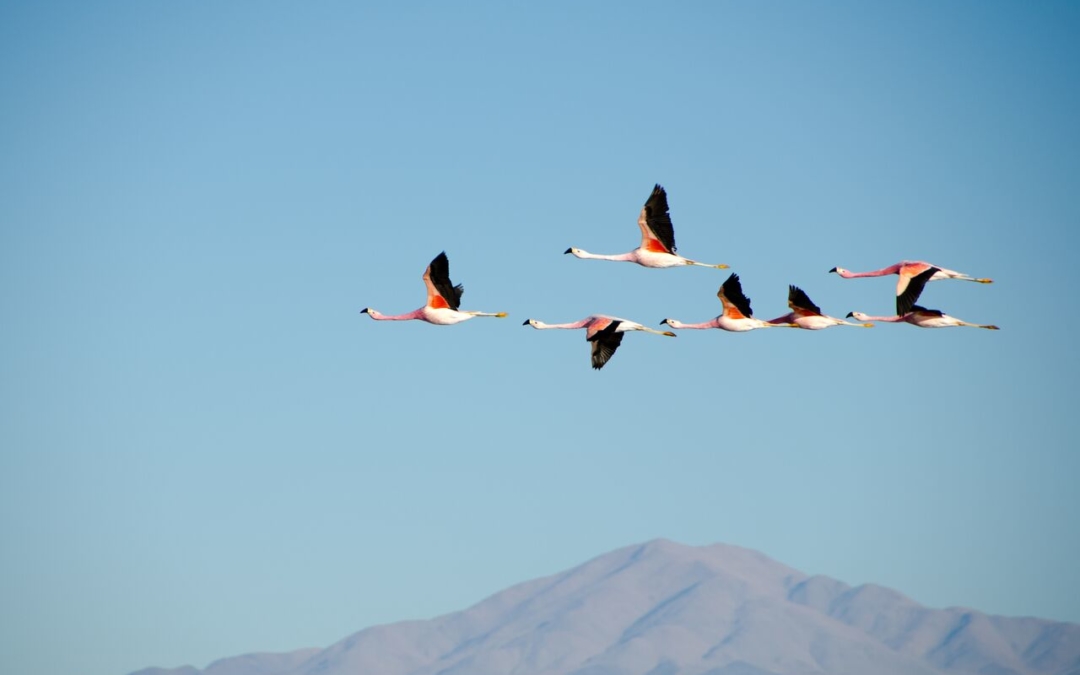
[(798, 299), (905, 302), (733, 292), (931, 312), (440, 278), (658, 219), (604, 344)]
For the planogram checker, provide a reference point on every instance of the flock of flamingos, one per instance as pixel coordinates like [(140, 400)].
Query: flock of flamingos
[(605, 333)]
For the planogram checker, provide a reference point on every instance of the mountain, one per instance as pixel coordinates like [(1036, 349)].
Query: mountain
[(663, 608)]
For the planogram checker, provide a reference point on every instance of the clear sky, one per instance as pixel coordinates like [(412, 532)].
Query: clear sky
[(206, 450)]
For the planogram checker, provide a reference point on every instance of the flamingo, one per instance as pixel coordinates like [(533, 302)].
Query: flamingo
[(737, 316), (916, 315), (657, 238), (805, 314), (604, 332), (908, 270), (443, 298), (923, 318)]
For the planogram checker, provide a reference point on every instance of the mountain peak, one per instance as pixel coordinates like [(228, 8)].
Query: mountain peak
[(665, 608)]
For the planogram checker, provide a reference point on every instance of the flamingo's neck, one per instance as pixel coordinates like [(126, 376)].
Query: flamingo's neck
[(704, 324), (621, 257), (379, 316), (886, 319), (540, 325), (885, 271)]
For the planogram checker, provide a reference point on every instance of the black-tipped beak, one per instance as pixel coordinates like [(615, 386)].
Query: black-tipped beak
[(567, 251), (850, 315), (832, 270), (664, 323), (364, 310), (526, 323)]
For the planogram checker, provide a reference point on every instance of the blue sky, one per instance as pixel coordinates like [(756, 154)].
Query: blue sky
[(206, 450)]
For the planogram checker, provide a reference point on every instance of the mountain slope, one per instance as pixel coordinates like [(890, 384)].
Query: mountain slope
[(667, 609)]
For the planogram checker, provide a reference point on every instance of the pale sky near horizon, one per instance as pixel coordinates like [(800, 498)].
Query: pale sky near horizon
[(205, 450)]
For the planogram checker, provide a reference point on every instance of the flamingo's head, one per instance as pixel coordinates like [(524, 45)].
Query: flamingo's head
[(838, 270), (666, 322), (858, 316), (576, 251), (529, 322)]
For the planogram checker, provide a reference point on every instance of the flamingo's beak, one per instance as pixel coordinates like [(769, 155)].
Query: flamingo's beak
[(850, 315), (567, 251), (664, 323), (526, 323), (832, 270), (364, 310)]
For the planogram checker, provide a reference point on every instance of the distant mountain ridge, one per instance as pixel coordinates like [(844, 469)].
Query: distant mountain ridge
[(663, 608)]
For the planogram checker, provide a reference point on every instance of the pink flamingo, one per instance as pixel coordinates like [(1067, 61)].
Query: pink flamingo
[(657, 238), (923, 318), (805, 314), (604, 332), (737, 316), (908, 270), (916, 315), (443, 298)]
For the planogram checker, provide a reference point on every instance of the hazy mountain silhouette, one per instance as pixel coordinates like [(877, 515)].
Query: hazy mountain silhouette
[(667, 609)]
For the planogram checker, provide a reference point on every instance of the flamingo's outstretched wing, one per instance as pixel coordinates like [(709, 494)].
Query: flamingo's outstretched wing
[(907, 270), (736, 304), (604, 343), (905, 302), (657, 233), (801, 302), (441, 292)]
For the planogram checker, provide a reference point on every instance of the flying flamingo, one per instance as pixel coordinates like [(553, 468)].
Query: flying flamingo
[(604, 332), (916, 315), (657, 238), (737, 316), (443, 298), (805, 314), (923, 318), (908, 270)]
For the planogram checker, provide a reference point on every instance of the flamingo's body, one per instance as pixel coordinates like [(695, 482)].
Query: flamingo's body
[(604, 332), (916, 315), (657, 239), (805, 314), (443, 299), (908, 270), (737, 316)]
